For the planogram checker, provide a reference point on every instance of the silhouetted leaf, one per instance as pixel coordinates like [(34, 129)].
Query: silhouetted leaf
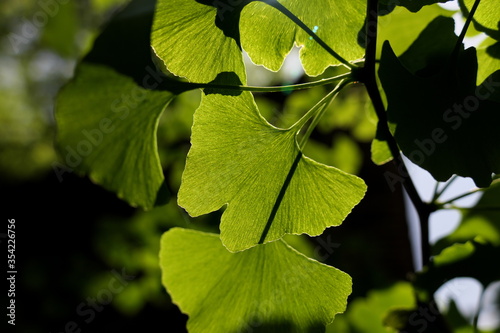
[(268, 35), (186, 38), (442, 120), (208, 35)]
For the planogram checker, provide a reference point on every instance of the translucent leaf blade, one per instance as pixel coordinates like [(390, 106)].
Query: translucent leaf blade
[(270, 288), (268, 35), (271, 189), (487, 16), (185, 36)]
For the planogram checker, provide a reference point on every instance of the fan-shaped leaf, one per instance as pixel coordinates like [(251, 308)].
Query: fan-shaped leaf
[(237, 158), (269, 288), (268, 35), (198, 39), (187, 35)]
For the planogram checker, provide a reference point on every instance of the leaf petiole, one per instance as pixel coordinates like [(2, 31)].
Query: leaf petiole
[(438, 193), (317, 112), (458, 197), (292, 87)]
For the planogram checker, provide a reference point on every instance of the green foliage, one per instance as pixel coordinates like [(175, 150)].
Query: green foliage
[(427, 102), (270, 288), (268, 35), (222, 28), (271, 188), (190, 25)]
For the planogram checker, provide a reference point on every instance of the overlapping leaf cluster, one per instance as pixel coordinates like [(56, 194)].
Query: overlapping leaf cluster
[(248, 277)]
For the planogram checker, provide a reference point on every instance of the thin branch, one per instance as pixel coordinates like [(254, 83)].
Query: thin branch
[(464, 29), (370, 80), (437, 194)]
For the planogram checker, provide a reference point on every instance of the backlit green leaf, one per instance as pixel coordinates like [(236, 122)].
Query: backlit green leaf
[(456, 133), (487, 16), (271, 189), (198, 39), (187, 35), (107, 129), (269, 288), (268, 35)]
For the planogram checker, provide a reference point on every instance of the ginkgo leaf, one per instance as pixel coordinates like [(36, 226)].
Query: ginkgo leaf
[(238, 158), (188, 36), (107, 129), (456, 133), (269, 288), (268, 35), (198, 39)]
